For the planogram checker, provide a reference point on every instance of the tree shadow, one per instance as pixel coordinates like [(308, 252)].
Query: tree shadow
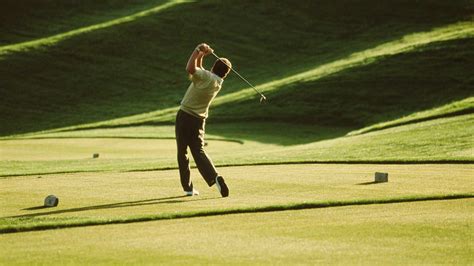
[(165, 200)]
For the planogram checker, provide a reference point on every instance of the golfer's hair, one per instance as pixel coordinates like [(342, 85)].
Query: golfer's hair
[(222, 67)]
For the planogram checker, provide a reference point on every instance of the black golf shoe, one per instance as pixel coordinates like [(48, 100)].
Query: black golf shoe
[(222, 187)]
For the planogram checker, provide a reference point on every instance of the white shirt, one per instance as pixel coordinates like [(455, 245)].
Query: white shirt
[(203, 89)]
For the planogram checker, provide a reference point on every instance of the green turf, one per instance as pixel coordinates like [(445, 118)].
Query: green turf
[(87, 198), (133, 68), (252, 143), (415, 233), (377, 85), (30, 20), (353, 87), (453, 109)]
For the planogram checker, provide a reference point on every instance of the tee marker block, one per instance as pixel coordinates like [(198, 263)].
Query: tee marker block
[(381, 177)]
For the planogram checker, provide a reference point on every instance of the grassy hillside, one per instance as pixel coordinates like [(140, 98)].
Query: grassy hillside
[(137, 67), (27, 20), (385, 90)]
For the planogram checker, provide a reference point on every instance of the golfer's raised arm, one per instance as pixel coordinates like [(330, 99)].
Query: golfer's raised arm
[(195, 60), (192, 61), (199, 59)]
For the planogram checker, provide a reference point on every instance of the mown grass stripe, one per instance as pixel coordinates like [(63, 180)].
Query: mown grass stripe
[(263, 209)]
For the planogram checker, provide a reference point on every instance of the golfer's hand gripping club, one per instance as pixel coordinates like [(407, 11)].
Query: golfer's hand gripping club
[(262, 97)]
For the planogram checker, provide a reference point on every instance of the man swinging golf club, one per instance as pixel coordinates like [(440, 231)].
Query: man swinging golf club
[(191, 119)]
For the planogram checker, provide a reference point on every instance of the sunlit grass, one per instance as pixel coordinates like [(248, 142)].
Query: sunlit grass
[(435, 232), (53, 40), (455, 108), (128, 73), (93, 198), (405, 44), (440, 140), (301, 192)]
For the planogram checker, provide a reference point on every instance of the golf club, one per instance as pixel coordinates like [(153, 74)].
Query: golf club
[(262, 98)]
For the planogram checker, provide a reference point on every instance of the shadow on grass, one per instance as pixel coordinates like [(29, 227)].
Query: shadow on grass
[(280, 133), (385, 90), (369, 183), (36, 208), (166, 200), (229, 211), (26, 104)]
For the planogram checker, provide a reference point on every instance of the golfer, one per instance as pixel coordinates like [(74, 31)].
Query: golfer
[(191, 119)]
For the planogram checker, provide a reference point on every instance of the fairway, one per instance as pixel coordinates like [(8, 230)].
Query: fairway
[(89, 99)]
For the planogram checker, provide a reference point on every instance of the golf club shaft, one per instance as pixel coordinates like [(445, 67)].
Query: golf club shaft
[(239, 75)]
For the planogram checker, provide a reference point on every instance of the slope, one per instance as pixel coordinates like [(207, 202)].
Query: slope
[(136, 67)]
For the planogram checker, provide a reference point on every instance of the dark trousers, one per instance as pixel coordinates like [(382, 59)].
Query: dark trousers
[(189, 132)]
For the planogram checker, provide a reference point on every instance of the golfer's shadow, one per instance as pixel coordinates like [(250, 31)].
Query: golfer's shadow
[(166, 200)]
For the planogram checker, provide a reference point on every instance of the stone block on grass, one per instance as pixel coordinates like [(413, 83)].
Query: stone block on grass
[(381, 177)]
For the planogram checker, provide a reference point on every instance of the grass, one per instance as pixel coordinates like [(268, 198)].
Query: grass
[(38, 224), (105, 89), (361, 89), (421, 233), (381, 62), (452, 109), (252, 143), (53, 40), (30, 20), (354, 88), (97, 198)]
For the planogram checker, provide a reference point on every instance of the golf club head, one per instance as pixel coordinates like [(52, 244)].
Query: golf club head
[(263, 99)]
